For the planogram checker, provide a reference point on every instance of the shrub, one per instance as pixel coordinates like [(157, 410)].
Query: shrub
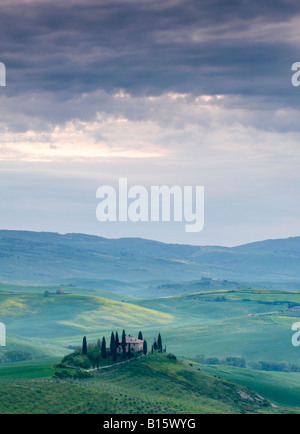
[(81, 375), (82, 362), (239, 362), (16, 356), (77, 375), (62, 375), (172, 356), (213, 361)]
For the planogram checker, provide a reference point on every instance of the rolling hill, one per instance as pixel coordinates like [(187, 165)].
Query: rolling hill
[(251, 323), (140, 387), (282, 388), (45, 325), (194, 296), (48, 258)]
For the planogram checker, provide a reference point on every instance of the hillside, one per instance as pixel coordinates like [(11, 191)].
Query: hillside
[(282, 388), (49, 323), (142, 386), (250, 323), (194, 296), (48, 258)]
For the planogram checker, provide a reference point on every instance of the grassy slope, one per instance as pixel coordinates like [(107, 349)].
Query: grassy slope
[(46, 324), (223, 328), (39, 348), (191, 324), (279, 387), (68, 289), (72, 311), (154, 384), (28, 370)]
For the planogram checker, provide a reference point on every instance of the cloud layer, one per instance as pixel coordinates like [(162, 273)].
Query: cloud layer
[(150, 47), (178, 92)]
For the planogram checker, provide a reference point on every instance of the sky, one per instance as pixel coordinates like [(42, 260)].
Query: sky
[(173, 92)]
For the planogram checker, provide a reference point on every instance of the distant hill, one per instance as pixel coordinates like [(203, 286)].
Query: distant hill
[(281, 247), (50, 258)]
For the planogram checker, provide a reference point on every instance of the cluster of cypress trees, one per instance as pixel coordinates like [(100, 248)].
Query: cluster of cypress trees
[(158, 345), (115, 343)]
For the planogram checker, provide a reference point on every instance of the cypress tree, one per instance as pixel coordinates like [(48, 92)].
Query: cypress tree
[(99, 343), (98, 359), (117, 340), (115, 353), (145, 348), (129, 351), (103, 349), (159, 343), (155, 346), (140, 336), (112, 343), (94, 357), (124, 344), (84, 346)]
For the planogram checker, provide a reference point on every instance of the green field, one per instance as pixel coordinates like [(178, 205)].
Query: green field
[(48, 324), (250, 323), (154, 384), (28, 370), (244, 323), (279, 387)]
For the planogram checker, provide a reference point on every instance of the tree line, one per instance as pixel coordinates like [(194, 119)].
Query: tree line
[(117, 346), (158, 345), (101, 350), (240, 362)]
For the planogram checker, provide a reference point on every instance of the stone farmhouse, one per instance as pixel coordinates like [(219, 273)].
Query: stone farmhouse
[(136, 345)]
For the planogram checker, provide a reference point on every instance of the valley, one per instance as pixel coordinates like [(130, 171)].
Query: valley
[(210, 318)]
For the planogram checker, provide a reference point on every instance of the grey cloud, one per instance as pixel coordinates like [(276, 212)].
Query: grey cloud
[(146, 47), (65, 60)]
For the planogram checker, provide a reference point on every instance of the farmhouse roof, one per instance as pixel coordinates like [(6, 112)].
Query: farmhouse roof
[(131, 340)]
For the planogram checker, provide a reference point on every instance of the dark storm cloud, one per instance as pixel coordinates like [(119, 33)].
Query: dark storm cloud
[(149, 47), (103, 89)]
